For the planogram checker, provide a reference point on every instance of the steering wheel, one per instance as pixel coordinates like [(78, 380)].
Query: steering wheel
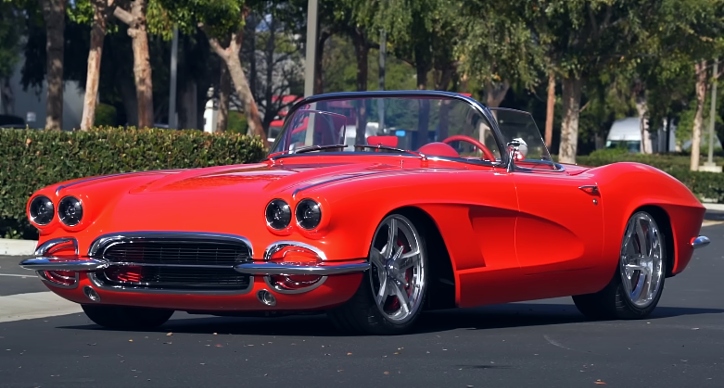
[(467, 139)]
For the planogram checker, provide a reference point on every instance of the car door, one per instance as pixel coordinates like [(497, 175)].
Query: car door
[(559, 231), (559, 228)]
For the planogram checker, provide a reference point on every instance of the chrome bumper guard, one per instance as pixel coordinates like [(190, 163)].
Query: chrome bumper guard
[(320, 269), (700, 242), (76, 264)]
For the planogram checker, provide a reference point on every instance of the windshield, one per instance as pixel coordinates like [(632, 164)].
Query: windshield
[(432, 125)]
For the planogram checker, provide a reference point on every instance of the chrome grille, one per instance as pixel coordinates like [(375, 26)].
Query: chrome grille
[(178, 253), (175, 278), (174, 262)]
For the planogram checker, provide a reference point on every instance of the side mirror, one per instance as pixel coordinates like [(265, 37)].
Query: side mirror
[(512, 150)]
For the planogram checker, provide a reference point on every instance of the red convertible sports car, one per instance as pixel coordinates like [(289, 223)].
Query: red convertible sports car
[(435, 202)]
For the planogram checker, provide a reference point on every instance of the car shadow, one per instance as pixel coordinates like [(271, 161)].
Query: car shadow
[(481, 318)]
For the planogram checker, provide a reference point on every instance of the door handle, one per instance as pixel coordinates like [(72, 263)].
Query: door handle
[(590, 189)]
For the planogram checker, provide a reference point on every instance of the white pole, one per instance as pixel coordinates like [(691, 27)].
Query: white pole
[(311, 55), (172, 117)]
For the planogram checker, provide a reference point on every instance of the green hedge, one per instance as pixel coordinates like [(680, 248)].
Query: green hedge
[(33, 159), (705, 185)]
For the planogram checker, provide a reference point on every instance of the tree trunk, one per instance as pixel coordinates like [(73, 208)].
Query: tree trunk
[(641, 109), (98, 34), (318, 64), (241, 84), (188, 114), (137, 30), (701, 78), (361, 50), (142, 64), (230, 56), (222, 121), (495, 93), (423, 125), (54, 15), (571, 113), (7, 97), (130, 103), (550, 108), (442, 82)]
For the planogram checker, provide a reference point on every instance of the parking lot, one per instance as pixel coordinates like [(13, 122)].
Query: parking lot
[(537, 344)]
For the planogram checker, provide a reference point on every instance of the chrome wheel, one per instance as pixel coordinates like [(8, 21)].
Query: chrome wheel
[(398, 269), (641, 264)]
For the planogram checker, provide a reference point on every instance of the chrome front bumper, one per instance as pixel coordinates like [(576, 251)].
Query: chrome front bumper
[(700, 242), (42, 261)]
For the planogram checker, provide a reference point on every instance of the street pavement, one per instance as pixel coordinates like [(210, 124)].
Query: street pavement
[(533, 344)]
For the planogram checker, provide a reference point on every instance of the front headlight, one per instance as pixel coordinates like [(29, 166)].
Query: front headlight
[(41, 210), (308, 213), (278, 214), (70, 211)]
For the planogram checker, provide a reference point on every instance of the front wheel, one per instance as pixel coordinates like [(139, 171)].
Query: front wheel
[(390, 297), (126, 317), (638, 283)]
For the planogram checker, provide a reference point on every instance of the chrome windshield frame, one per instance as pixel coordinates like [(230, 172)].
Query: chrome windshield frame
[(430, 94)]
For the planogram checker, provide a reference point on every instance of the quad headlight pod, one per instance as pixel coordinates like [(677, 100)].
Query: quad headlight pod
[(278, 214), (308, 214), (70, 211), (41, 210)]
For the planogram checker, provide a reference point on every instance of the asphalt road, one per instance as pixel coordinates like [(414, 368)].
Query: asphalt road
[(537, 344)]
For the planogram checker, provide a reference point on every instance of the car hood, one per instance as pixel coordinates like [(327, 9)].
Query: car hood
[(228, 199), (259, 178)]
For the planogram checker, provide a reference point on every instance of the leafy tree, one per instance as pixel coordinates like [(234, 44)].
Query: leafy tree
[(95, 13), (223, 23), (580, 38), (694, 29), (11, 25), (498, 49)]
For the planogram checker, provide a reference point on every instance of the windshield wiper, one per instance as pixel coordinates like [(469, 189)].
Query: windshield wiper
[(389, 148), (317, 148)]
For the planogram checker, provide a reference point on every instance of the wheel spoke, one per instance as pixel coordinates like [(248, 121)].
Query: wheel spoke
[(377, 259), (391, 235), (641, 236), (382, 293), (402, 296), (408, 259), (631, 268), (640, 284)]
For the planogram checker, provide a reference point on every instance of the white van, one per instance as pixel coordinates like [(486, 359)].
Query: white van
[(625, 133)]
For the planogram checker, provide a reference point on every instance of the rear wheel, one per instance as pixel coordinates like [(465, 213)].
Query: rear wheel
[(390, 297), (126, 317), (638, 283)]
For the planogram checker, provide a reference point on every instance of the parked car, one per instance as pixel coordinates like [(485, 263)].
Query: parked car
[(10, 121), (464, 207)]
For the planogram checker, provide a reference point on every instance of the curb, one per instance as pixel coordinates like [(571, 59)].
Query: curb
[(12, 247)]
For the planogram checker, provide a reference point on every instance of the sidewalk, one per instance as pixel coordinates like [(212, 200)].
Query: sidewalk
[(9, 247)]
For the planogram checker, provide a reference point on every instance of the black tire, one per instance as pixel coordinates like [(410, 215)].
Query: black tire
[(126, 317), (614, 302), (362, 315)]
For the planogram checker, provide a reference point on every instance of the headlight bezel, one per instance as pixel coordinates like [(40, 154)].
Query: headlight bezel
[(34, 218), (303, 206), (280, 203), (62, 216)]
